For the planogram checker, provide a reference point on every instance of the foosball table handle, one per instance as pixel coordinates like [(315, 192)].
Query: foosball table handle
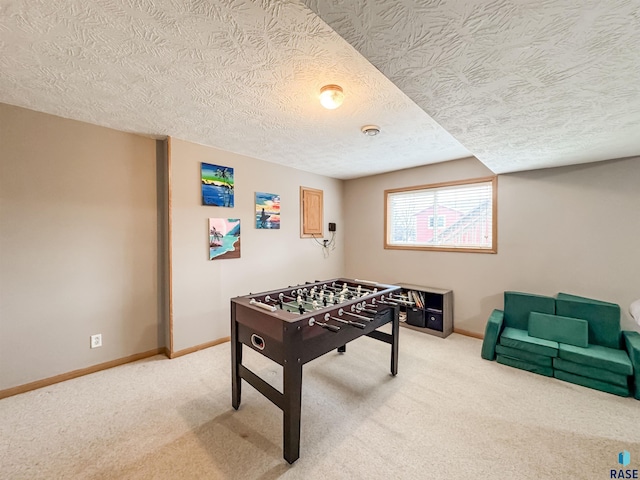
[(331, 328), (328, 326), (271, 308)]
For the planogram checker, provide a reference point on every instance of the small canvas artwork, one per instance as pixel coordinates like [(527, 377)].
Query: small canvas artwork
[(217, 185), (267, 210), (224, 238)]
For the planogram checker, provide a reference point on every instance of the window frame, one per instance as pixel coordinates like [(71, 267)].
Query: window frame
[(494, 214)]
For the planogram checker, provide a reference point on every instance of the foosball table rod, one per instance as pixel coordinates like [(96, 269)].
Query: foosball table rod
[(341, 320)]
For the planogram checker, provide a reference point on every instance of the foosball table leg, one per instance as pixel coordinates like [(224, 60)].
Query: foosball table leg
[(342, 349), (236, 361), (291, 408), (395, 333)]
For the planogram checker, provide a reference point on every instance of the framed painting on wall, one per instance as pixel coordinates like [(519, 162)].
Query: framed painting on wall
[(267, 210), (224, 238), (217, 185)]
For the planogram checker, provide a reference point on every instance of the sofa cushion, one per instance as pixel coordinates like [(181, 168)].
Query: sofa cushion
[(491, 334), (603, 318), (578, 298), (518, 305), (591, 383), (520, 339), (573, 331), (610, 359), (523, 365), (591, 372), (632, 342), (534, 358)]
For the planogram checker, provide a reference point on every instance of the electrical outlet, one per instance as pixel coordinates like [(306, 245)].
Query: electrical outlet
[(96, 340)]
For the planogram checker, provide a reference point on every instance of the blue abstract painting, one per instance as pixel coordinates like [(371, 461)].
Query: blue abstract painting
[(217, 185)]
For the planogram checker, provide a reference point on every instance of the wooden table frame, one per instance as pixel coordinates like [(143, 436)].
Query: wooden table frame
[(291, 344)]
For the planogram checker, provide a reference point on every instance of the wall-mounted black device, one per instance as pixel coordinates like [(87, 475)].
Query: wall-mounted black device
[(332, 227)]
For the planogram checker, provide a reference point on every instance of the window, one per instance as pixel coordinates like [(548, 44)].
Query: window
[(432, 221), (454, 216)]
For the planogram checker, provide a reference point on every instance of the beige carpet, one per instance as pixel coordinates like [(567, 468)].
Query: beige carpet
[(447, 415)]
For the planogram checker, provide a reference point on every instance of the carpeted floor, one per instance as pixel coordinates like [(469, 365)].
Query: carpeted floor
[(447, 415)]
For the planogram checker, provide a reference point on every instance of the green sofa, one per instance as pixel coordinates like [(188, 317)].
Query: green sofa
[(571, 338)]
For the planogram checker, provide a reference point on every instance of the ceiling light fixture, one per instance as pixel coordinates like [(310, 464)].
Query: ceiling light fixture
[(331, 96), (370, 130)]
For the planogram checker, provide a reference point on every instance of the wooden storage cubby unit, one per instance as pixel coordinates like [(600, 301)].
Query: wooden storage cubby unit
[(433, 313)]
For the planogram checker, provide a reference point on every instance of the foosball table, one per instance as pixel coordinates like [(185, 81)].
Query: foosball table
[(295, 325)]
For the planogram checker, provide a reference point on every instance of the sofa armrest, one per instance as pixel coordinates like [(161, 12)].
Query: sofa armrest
[(491, 334), (632, 345)]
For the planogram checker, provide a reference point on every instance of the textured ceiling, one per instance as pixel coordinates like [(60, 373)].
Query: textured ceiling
[(243, 76), (520, 84)]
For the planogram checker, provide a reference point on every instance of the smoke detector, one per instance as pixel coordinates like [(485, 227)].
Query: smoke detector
[(370, 130)]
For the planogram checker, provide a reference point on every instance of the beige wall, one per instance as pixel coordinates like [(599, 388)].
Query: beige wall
[(572, 229), (269, 258), (78, 245), (82, 241)]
